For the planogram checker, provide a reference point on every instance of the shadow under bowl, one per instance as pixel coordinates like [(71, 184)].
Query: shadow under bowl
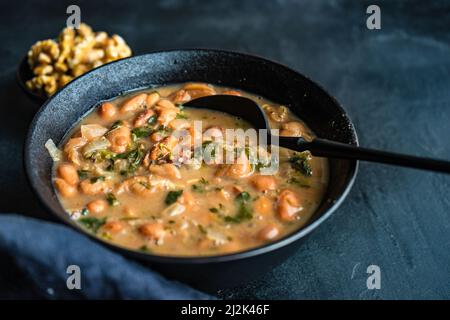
[(310, 102)]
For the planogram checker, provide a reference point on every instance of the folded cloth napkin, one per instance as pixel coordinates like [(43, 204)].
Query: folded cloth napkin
[(35, 255)]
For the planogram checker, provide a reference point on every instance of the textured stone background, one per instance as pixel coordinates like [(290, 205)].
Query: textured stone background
[(393, 82)]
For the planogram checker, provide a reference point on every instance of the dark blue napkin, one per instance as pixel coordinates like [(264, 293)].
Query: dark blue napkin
[(34, 256)]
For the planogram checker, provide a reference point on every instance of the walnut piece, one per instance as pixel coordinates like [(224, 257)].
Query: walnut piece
[(56, 63)]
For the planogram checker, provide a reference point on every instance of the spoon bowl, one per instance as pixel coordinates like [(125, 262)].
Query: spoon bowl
[(252, 112), (238, 106)]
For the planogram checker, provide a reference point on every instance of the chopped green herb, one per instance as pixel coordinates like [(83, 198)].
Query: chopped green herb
[(202, 229), (163, 130), (172, 196), (116, 124), (128, 218), (110, 167), (83, 174), (134, 158), (109, 155), (298, 182), (218, 211), (144, 248), (106, 235), (144, 184), (84, 212), (301, 162), (244, 213), (121, 155), (181, 115), (262, 164), (92, 223), (211, 150), (112, 200), (96, 179), (101, 155), (243, 196), (197, 188), (141, 132), (206, 143), (201, 187)]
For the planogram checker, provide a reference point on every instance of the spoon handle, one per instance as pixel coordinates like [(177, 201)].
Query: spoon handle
[(332, 149)]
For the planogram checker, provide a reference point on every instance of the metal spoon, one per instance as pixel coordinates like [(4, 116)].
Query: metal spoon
[(247, 109)]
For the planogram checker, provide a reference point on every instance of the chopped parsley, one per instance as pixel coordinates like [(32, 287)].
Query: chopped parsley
[(216, 210), (300, 162), (202, 229), (298, 183), (244, 212), (173, 196), (83, 174), (92, 223), (144, 248), (116, 124), (96, 179), (134, 158), (112, 200), (201, 187), (243, 196), (141, 132), (181, 115)]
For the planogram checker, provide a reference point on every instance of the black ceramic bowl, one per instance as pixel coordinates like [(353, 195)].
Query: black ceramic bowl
[(274, 81)]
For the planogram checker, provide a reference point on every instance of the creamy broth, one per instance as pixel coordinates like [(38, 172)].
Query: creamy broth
[(121, 179)]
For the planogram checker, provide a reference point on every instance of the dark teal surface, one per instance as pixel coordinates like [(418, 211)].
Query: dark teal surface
[(394, 83)]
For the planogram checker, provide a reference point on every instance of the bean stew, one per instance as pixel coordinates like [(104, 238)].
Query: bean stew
[(129, 172)]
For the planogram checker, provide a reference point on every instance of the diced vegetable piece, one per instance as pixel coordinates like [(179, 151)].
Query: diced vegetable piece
[(92, 131), (174, 210), (53, 150), (95, 145), (217, 237)]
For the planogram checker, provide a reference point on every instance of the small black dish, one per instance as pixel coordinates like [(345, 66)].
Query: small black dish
[(313, 104), (23, 74)]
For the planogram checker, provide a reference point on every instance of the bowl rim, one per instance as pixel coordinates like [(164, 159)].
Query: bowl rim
[(248, 253)]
